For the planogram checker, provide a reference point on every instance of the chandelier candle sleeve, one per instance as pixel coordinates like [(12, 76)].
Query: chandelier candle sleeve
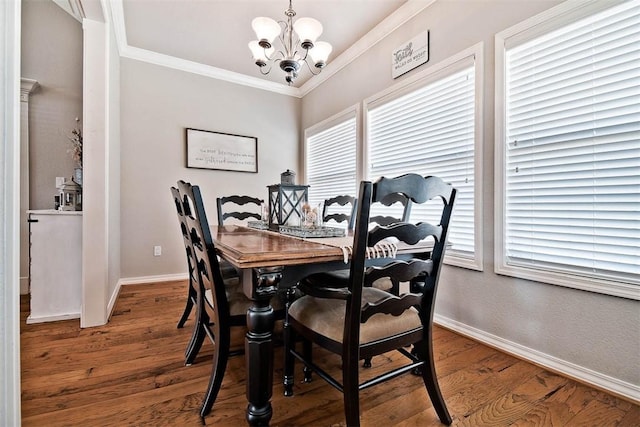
[(320, 54), (308, 31), (266, 30), (298, 40)]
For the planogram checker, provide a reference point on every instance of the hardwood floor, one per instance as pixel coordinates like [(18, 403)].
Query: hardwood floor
[(131, 372)]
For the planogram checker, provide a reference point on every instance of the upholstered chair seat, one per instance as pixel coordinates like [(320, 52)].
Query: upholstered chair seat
[(326, 317)]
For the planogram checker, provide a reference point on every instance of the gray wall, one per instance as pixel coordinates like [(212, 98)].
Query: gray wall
[(52, 55), (157, 104), (596, 332)]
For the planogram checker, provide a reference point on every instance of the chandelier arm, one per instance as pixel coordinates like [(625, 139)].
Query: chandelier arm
[(264, 73), (273, 56), (306, 54), (311, 68), (266, 54)]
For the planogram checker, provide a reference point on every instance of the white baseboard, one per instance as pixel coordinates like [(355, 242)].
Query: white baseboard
[(596, 379), (151, 279), (41, 319), (113, 299)]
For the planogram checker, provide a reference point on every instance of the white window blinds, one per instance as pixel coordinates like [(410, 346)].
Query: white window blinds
[(430, 131), (572, 155), (331, 161)]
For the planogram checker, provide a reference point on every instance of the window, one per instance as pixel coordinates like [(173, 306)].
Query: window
[(432, 126), (330, 158), (568, 149)]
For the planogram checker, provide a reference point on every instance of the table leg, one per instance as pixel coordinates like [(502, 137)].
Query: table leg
[(259, 345)]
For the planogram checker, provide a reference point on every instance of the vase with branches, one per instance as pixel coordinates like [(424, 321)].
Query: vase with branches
[(75, 149), (75, 140)]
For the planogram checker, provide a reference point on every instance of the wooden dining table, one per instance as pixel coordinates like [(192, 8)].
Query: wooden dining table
[(272, 262)]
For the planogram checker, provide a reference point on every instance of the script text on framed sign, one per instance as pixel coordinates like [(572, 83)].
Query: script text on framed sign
[(221, 151)]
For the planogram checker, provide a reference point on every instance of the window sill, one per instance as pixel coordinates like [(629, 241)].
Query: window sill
[(574, 281)]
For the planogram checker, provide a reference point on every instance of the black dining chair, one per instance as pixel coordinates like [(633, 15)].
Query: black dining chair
[(191, 291), (391, 202), (220, 303), (228, 271), (330, 211), (356, 321), (239, 207)]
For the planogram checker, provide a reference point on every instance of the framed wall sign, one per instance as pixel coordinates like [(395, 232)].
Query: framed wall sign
[(411, 54), (221, 151)]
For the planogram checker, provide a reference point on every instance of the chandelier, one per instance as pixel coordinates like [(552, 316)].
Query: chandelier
[(298, 40)]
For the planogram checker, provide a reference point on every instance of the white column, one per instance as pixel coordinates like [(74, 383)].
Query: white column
[(27, 86), (95, 237), (9, 213)]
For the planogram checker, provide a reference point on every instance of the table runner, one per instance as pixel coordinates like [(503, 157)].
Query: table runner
[(382, 249)]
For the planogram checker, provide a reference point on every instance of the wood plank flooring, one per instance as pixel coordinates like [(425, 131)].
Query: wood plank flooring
[(131, 372)]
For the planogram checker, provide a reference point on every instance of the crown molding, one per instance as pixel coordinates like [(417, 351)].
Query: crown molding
[(405, 12), (72, 7), (117, 18), (144, 55), (205, 70)]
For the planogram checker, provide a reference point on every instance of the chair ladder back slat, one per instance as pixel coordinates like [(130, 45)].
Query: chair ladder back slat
[(402, 271), (392, 305), (342, 200), (389, 199), (237, 200)]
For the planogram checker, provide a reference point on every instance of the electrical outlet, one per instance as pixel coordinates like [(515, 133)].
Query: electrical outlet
[(157, 250), (59, 181)]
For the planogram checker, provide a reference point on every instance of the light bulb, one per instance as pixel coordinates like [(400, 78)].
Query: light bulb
[(260, 54), (308, 31), (320, 53), (266, 30)]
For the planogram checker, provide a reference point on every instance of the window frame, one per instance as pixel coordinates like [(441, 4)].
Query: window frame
[(473, 55), (552, 19)]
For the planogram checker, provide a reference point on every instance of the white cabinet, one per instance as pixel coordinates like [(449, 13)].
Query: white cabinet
[(55, 254)]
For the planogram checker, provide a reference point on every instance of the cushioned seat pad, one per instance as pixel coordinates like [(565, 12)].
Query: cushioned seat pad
[(326, 317)]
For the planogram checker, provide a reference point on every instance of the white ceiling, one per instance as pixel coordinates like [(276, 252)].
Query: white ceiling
[(216, 32), (210, 37)]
